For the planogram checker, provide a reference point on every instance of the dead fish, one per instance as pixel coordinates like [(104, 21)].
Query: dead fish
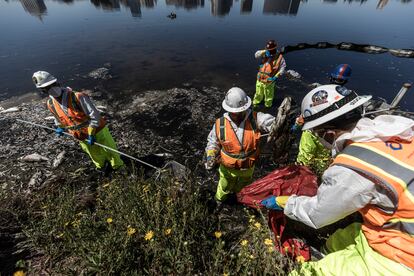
[(36, 178), (164, 155), (10, 110), (101, 107), (59, 159), (34, 157), (294, 74), (100, 73)]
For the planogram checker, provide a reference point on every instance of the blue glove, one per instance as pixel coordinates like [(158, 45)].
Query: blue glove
[(91, 140), (272, 79), (59, 131), (295, 128), (268, 54), (270, 203)]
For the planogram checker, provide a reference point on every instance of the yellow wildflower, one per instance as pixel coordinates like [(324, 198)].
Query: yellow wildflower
[(270, 249), (268, 242), (167, 232), (130, 230), (217, 234), (75, 223), (19, 273), (251, 257), (244, 242), (225, 274), (257, 225), (109, 220), (300, 259), (149, 235)]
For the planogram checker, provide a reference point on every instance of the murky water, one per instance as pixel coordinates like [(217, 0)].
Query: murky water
[(211, 42)]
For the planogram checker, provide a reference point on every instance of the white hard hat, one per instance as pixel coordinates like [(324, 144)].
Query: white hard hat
[(327, 102), (236, 100), (43, 79)]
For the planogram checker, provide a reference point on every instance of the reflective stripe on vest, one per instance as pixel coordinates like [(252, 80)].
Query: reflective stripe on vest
[(385, 164), (391, 166), (222, 137), (268, 69), (235, 153)]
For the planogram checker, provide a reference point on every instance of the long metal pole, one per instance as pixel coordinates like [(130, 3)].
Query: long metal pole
[(98, 144), (400, 94)]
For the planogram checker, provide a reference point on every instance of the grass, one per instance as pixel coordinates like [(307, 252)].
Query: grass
[(135, 226)]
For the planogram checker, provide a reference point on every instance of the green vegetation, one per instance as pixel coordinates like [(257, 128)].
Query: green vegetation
[(134, 226)]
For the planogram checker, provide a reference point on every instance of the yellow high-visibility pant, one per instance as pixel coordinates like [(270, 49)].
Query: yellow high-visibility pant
[(232, 181), (264, 91), (100, 155), (348, 253)]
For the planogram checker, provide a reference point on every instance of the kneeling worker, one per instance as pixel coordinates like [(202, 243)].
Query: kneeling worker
[(234, 138), (373, 173), (75, 112)]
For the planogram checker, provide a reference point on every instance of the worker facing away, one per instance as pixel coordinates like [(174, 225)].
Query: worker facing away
[(272, 66), (74, 112), (373, 173), (312, 152), (234, 142)]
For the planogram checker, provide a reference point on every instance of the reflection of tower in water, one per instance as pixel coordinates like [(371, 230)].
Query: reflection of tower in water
[(246, 6), (221, 7), (290, 7), (187, 4), (34, 7), (134, 6), (107, 4)]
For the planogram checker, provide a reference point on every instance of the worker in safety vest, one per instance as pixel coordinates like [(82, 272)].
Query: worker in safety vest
[(74, 112), (312, 152), (273, 65), (373, 173), (233, 142)]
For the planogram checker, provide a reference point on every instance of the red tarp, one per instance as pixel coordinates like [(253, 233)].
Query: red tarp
[(298, 180)]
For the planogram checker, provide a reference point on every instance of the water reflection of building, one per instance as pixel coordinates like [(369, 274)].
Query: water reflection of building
[(290, 7), (34, 7), (187, 4), (107, 4), (134, 6), (221, 7), (246, 6), (381, 4)]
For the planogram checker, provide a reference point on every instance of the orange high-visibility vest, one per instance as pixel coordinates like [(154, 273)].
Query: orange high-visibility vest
[(236, 154), (391, 166), (74, 118), (269, 69)]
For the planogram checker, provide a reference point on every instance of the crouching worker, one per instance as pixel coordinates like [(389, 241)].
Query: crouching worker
[(373, 173), (234, 142), (74, 112)]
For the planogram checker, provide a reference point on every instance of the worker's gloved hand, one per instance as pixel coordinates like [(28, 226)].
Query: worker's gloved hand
[(272, 79), (91, 140), (211, 161), (271, 203), (258, 54), (59, 131), (295, 128)]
